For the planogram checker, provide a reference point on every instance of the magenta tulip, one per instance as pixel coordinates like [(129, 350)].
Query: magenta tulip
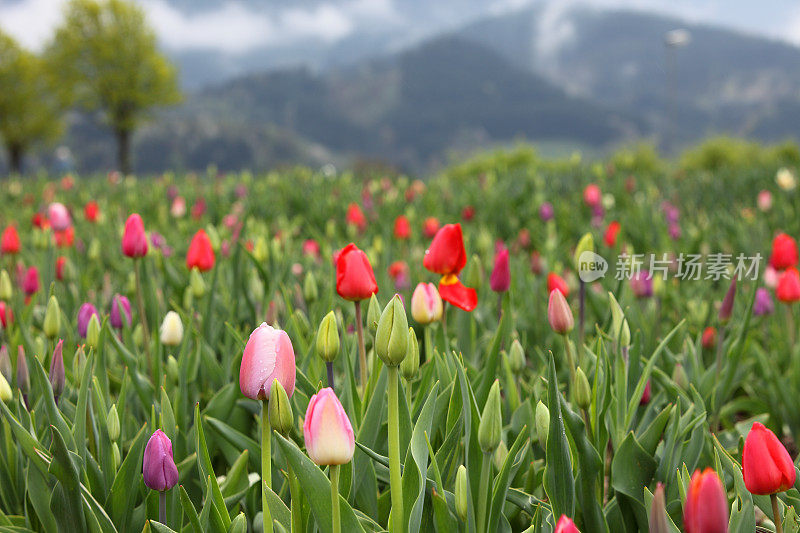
[(85, 314), (500, 279), (158, 466), (115, 316)]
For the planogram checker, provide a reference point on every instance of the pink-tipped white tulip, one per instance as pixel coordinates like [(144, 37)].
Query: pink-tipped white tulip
[(58, 216), (426, 303), (327, 430), (267, 356)]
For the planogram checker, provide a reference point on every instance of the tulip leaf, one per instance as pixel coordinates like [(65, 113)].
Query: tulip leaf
[(79, 427), (559, 485), (189, 510), (507, 472), (207, 469), (418, 453), (632, 468), (239, 440), (128, 476)]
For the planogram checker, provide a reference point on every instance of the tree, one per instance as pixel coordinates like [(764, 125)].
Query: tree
[(110, 62), (29, 108)]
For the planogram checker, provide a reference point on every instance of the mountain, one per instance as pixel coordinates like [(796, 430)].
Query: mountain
[(720, 81)]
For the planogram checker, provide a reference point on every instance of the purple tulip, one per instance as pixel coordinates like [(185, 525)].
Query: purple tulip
[(114, 316), (85, 314), (58, 377), (546, 211), (642, 284), (763, 304), (158, 466)]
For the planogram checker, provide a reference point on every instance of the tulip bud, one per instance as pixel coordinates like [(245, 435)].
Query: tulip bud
[(134, 239), (766, 465), (461, 493), (490, 427), (327, 431), (706, 507), (280, 410), (658, 512), (559, 313), (116, 455), (93, 332), (38, 347), (542, 421), (112, 423), (5, 390), (93, 252), (171, 332), (473, 277), (172, 369), (196, 283), (6, 290), (583, 391), (391, 338), (516, 357), (158, 466), (57, 375), (310, 290), (78, 363), (328, 338), (373, 313), (586, 244), (620, 331), (500, 278), (138, 336), (426, 304), (268, 355), (410, 365), (23, 377), (679, 376), (5, 363), (500, 454), (726, 310), (566, 525), (52, 318)]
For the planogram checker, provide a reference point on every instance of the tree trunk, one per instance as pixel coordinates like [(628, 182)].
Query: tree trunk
[(124, 151), (15, 158)]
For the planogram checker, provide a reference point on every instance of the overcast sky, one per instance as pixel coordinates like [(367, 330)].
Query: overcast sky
[(236, 27)]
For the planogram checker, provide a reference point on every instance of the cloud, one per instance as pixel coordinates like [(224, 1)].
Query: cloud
[(31, 22)]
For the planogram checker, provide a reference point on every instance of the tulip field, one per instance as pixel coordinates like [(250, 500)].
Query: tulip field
[(510, 345)]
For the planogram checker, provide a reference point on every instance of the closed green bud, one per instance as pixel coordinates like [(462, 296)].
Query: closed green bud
[(586, 244), (310, 290), (93, 332), (542, 421), (373, 313), (500, 454), (391, 338), (328, 338), (6, 290), (620, 331), (213, 236), (112, 423), (658, 512), (410, 365), (583, 392), (78, 363), (5, 364), (238, 524), (260, 250), (489, 430), (52, 318), (5, 390), (138, 336), (116, 455), (516, 357), (39, 346), (679, 376), (473, 277), (130, 286), (280, 410), (172, 369), (461, 495), (196, 283), (93, 251)]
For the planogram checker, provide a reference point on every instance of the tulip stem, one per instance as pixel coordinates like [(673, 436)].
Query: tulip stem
[(162, 507), (484, 491), (337, 521), (362, 351), (266, 466), (329, 367), (428, 345), (395, 479), (570, 362), (581, 312), (776, 513), (444, 328), (143, 318), (717, 372)]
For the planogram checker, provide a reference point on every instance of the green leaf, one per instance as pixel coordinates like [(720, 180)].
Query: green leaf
[(632, 469), (558, 481), (128, 477), (207, 469), (418, 452)]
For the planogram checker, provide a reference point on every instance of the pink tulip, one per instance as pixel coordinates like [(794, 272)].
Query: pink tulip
[(500, 279), (327, 430), (134, 240), (58, 216), (426, 303), (30, 285), (559, 313), (158, 466), (267, 356)]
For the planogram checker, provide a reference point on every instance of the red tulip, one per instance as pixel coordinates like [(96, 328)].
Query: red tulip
[(402, 228), (355, 279), (645, 399), (39, 221), (610, 237), (766, 465), (355, 217), (200, 254), (6, 316), (468, 213), (500, 280), (554, 281), (706, 508), (788, 289), (430, 226), (453, 291), (60, 263), (91, 211), (198, 208), (446, 254), (30, 284), (9, 244), (592, 195), (709, 339), (64, 238), (784, 252), (134, 240), (397, 269), (566, 525)]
